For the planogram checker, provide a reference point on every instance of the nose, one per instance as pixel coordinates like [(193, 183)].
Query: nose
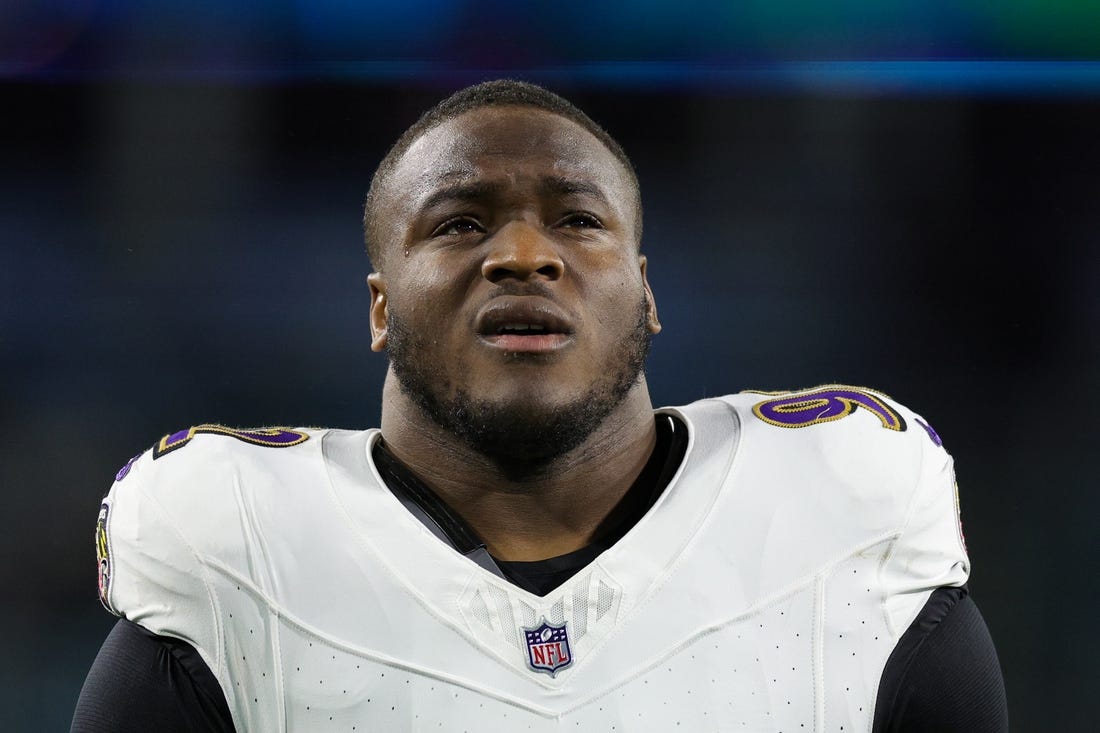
[(522, 251)]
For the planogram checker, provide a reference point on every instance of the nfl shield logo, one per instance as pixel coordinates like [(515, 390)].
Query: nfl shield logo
[(548, 648)]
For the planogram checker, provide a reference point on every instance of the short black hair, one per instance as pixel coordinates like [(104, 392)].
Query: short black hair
[(497, 93)]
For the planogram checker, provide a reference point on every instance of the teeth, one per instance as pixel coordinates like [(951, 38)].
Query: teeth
[(522, 328)]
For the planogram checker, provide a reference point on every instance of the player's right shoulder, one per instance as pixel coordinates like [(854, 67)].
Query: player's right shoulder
[(199, 478), (202, 459), (185, 499)]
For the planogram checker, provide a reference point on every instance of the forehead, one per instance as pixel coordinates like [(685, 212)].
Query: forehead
[(509, 143)]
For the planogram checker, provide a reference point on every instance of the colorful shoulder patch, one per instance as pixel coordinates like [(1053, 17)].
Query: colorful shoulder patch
[(266, 437), (125, 470), (825, 404), (103, 557), (932, 434)]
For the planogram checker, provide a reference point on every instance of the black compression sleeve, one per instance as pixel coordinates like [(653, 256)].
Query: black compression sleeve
[(943, 676), (143, 682)]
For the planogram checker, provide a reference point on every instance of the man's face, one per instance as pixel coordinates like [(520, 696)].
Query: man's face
[(512, 298)]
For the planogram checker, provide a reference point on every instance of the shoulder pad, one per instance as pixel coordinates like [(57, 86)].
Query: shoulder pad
[(266, 437), (831, 402)]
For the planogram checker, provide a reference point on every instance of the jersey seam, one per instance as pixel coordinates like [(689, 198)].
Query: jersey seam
[(176, 654), (276, 640), (424, 603), (303, 626), (659, 581), (215, 606), (887, 557), (907, 519), (886, 618), (473, 576), (913, 654), (819, 652), (756, 608), (895, 629)]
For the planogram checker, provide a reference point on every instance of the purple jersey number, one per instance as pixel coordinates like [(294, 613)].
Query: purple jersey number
[(267, 437), (825, 405)]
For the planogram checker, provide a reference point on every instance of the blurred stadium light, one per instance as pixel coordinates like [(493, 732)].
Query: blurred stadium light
[(858, 45)]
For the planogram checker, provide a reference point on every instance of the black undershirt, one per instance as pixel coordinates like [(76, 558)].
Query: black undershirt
[(943, 676), (542, 576)]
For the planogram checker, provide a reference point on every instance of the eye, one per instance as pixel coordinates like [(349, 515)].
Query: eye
[(458, 225), (580, 220)]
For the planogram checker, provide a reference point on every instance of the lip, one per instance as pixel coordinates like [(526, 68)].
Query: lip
[(557, 330), (540, 344)]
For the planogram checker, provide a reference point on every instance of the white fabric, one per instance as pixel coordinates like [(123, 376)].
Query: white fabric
[(764, 590)]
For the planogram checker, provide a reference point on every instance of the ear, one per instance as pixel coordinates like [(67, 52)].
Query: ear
[(379, 311), (651, 321)]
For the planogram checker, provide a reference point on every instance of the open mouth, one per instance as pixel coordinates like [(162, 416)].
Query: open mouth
[(522, 329), (523, 324), (527, 342)]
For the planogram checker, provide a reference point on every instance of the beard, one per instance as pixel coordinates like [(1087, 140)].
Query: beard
[(522, 438)]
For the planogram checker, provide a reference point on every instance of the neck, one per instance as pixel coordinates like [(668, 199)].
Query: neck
[(535, 517)]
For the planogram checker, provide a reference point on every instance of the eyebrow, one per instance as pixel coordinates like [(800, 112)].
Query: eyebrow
[(571, 186), (476, 190), (463, 192)]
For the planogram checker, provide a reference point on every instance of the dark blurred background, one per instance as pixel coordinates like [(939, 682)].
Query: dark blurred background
[(876, 193)]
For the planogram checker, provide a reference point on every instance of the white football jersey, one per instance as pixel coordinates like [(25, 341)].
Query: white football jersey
[(763, 591)]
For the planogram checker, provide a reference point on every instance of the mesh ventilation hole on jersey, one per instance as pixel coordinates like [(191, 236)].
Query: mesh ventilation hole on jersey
[(481, 610), (527, 611), (556, 614), (580, 607), (605, 596), (504, 611)]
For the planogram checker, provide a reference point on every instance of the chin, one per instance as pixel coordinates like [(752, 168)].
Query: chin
[(521, 435), (526, 412)]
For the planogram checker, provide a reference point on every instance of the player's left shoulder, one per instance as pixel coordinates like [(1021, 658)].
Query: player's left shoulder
[(848, 411), (858, 434), (850, 465)]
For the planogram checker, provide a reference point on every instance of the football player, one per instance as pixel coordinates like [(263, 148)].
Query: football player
[(525, 543)]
